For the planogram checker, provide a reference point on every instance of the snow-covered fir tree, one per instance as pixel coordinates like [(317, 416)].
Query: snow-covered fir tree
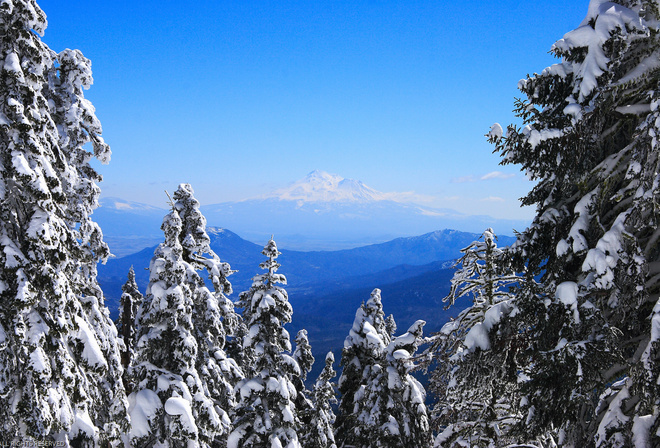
[(304, 406), (319, 433), (129, 303), (382, 405), (589, 139), (60, 369), (389, 406), (265, 415), (213, 317), (363, 351), (407, 421), (473, 379), (303, 354), (171, 406)]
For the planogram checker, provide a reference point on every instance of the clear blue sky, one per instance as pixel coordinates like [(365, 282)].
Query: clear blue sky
[(242, 97)]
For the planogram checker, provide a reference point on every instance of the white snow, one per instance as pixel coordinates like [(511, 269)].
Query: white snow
[(496, 131), (319, 186), (567, 293), (641, 430), (534, 136), (604, 257), (246, 387), (142, 407), (181, 407), (477, 337), (91, 350), (634, 109), (21, 164), (581, 223), (13, 64), (83, 424), (608, 17), (39, 361)]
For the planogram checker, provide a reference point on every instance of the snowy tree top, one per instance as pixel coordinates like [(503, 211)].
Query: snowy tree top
[(270, 250), (603, 19), (27, 11)]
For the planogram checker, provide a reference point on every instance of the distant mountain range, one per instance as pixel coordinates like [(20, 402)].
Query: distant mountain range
[(379, 263), (319, 212), (326, 287)]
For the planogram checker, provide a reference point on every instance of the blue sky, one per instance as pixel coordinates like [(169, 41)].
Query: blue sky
[(239, 98)]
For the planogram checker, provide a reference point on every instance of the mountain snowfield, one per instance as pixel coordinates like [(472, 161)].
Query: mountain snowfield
[(319, 186), (319, 212)]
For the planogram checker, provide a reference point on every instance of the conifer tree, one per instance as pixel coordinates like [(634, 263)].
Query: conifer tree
[(304, 406), (303, 354), (213, 315), (60, 369), (129, 303), (265, 415), (364, 365), (589, 140), (389, 405), (319, 433), (473, 377), (408, 422), (171, 406)]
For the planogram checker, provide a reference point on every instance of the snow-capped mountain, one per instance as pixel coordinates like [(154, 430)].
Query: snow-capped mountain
[(326, 211), (112, 203), (319, 186), (319, 212)]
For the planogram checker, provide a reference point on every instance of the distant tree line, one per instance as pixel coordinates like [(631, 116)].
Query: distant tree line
[(560, 347)]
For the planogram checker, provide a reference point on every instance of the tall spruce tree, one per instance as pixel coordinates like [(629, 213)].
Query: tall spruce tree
[(303, 354), (266, 415), (407, 421), (129, 303), (60, 370), (213, 315), (381, 405), (474, 376), (363, 351), (304, 406), (319, 433), (389, 405), (590, 125), (172, 405)]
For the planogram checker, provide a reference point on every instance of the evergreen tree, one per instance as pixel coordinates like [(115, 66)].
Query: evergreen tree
[(171, 406), (213, 316), (303, 354), (389, 405), (129, 303), (407, 422), (474, 370), (265, 415), (304, 406), (589, 140), (60, 370), (363, 351), (319, 432)]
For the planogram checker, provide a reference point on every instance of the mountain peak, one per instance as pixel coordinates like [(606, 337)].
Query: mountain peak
[(320, 186), (124, 205)]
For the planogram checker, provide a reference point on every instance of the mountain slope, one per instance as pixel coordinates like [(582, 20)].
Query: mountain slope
[(372, 265)]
